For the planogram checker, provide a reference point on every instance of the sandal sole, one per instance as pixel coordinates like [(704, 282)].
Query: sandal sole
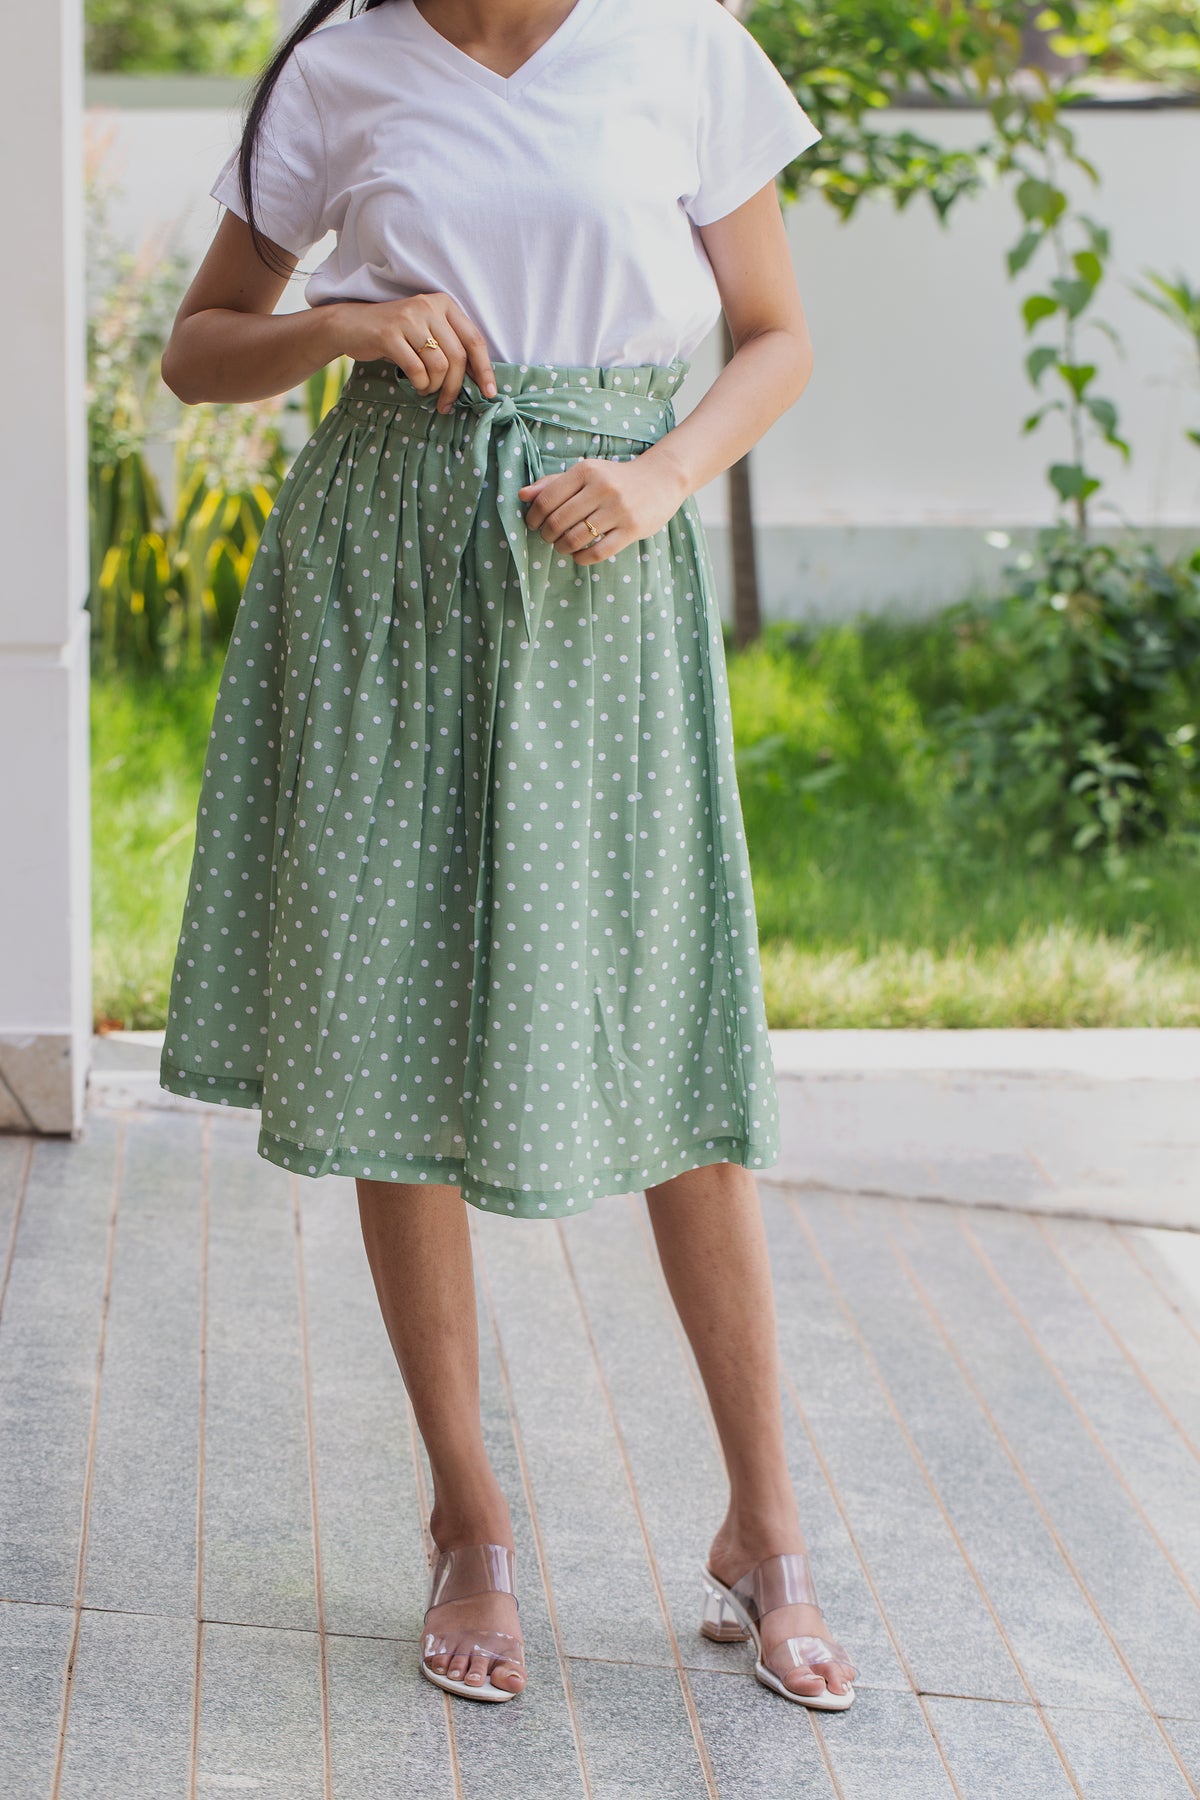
[(826, 1702), (477, 1691)]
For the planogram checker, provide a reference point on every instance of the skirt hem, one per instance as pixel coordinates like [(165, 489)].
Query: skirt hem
[(748, 1153)]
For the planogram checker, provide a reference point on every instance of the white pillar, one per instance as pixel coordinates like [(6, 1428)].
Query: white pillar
[(45, 961)]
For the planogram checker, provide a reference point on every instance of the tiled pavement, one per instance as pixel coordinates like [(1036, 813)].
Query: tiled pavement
[(211, 1496)]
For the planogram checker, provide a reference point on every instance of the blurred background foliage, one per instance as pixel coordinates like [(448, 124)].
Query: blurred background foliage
[(989, 817), (853, 50), (179, 37), (170, 547)]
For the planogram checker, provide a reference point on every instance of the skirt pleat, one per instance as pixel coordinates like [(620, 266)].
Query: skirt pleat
[(466, 908)]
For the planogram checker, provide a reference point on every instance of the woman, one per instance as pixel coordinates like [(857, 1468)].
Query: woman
[(470, 913)]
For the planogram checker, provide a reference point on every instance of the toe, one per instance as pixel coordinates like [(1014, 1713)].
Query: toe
[(477, 1670), (508, 1675), (804, 1681)]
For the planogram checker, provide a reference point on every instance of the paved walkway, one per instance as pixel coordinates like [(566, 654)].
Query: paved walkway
[(211, 1498)]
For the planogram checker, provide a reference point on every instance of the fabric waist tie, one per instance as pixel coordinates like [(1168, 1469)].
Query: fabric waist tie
[(504, 448)]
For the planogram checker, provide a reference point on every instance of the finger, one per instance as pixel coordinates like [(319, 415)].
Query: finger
[(406, 358), (435, 360), (456, 366), (610, 544), (578, 537), (570, 518), (557, 490), (473, 340)]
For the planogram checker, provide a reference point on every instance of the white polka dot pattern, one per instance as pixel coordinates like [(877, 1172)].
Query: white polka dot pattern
[(470, 899)]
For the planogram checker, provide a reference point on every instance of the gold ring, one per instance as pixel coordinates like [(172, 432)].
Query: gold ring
[(431, 343), (596, 535)]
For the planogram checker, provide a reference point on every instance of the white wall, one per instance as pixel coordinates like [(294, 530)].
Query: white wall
[(45, 967), (880, 484)]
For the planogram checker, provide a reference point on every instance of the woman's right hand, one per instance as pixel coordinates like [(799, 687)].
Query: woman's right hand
[(396, 330), (228, 342)]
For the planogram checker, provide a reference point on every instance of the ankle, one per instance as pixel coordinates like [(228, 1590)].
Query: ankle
[(476, 1513), (748, 1534)]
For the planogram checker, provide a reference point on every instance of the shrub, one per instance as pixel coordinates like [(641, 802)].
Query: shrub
[(1091, 745)]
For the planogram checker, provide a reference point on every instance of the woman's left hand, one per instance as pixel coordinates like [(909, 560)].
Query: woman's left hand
[(625, 501)]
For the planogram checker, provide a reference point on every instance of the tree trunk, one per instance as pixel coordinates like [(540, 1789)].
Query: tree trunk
[(747, 610), (743, 555)]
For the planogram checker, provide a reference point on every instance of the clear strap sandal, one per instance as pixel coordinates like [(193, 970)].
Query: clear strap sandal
[(457, 1574), (733, 1614)]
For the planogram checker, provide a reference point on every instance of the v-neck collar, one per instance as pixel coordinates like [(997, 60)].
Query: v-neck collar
[(505, 86)]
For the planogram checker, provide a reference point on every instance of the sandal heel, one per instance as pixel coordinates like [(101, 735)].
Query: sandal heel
[(737, 1610), (719, 1621)]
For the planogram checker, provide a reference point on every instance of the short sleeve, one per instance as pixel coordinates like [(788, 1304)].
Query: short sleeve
[(750, 123), (289, 175)]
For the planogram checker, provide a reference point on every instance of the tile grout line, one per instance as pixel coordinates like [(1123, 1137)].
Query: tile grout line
[(1121, 1233), (1041, 1710), (818, 1457), (1042, 1510), (706, 1411), (689, 1699), (18, 1208), (368, 1637), (89, 1465), (535, 1524), (423, 1501), (1123, 1347), (1014, 1306), (1040, 1166), (926, 1473), (201, 1427), (314, 1504)]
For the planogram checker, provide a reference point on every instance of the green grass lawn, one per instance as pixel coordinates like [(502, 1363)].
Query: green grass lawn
[(873, 909), (148, 742)]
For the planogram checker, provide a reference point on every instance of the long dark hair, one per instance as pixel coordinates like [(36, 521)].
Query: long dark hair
[(316, 15)]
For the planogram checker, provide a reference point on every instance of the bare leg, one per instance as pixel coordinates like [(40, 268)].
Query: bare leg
[(708, 1227), (419, 1247)]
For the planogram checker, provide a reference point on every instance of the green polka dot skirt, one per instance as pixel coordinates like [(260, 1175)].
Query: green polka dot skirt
[(470, 900)]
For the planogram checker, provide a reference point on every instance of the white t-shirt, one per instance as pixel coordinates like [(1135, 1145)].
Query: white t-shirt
[(560, 207)]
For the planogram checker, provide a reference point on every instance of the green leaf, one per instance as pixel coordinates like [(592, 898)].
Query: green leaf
[(1089, 267), (1104, 413), (1040, 200), (1099, 234), (1035, 418), (1106, 328), (1072, 295), (1072, 481), (1077, 376), (1039, 360), (1036, 307), (1022, 250)]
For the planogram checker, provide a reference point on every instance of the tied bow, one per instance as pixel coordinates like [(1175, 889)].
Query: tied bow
[(505, 448)]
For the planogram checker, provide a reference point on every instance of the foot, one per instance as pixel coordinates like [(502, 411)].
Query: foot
[(471, 1617), (729, 1559)]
